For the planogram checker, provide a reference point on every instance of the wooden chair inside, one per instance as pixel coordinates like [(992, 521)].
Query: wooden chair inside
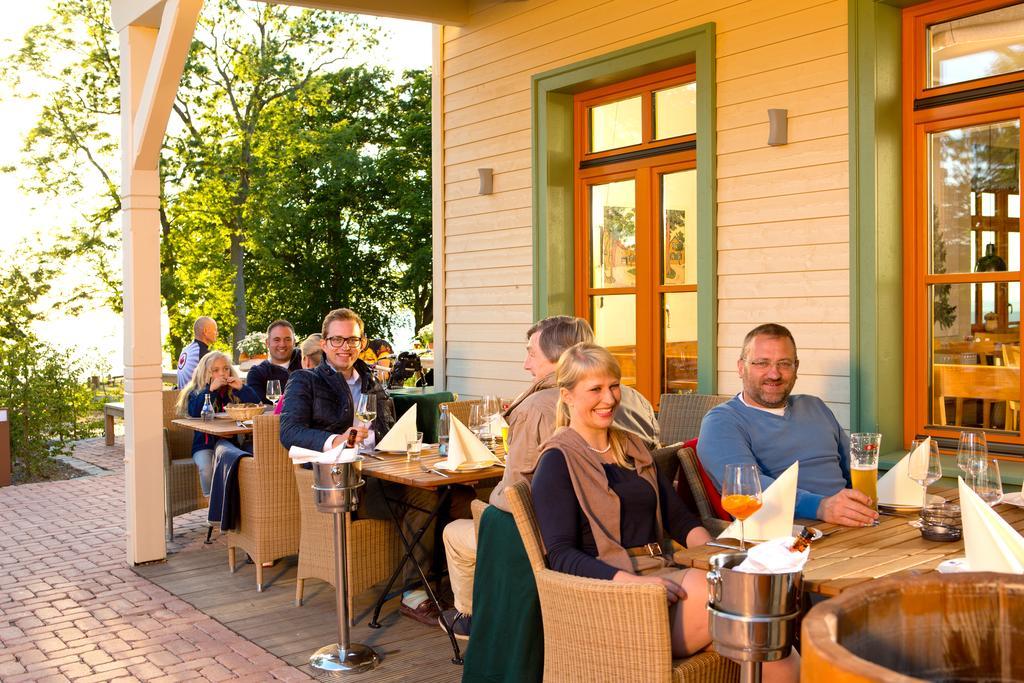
[(990, 383)]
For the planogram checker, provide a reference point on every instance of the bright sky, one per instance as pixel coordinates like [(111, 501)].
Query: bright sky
[(405, 45)]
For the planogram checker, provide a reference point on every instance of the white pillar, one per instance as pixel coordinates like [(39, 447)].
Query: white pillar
[(140, 206)]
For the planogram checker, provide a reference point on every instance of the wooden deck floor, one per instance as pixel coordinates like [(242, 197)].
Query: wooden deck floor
[(409, 651)]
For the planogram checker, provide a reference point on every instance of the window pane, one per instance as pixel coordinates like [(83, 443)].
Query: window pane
[(613, 234), (614, 319), (679, 228), (675, 111), (679, 331), (966, 165), (978, 46), (616, 124), (975, 374)]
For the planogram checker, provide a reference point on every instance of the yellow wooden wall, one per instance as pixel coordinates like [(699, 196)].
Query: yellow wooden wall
[(783, 248)]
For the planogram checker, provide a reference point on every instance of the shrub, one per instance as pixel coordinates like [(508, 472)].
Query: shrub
[(45, 396)]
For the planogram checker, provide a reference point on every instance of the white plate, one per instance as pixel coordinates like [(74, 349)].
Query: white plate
[(955, 565), (466, 467), (797, 528), (933, 499), (1014, 499)]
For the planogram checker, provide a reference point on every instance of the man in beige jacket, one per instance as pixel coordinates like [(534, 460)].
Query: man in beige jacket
[(531, 420)]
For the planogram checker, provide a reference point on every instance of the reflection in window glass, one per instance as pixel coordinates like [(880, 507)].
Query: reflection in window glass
[(679, 227), (614, 319), (975, 361), (613, 234), (1013, 251), (982, 160), (675, 111), (616, 124), (679, 332), (1013, 208), (977, 46)]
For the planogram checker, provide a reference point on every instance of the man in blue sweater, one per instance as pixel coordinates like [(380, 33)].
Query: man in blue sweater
[(765, 425)]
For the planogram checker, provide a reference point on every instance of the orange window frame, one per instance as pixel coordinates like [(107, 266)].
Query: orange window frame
[(646, 171), (922, 118)]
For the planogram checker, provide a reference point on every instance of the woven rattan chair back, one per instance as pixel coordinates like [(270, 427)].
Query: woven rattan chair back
[(680, 415), (459, 409), (179, 439), (521, 501)]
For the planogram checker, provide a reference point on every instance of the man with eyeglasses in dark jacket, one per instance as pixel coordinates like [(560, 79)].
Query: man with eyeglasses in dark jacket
[(319, 413)]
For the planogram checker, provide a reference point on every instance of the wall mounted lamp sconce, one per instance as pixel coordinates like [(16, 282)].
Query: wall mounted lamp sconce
[(486, 180), (778, 125)]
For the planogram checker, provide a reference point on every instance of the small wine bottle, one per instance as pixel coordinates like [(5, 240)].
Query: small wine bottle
[(351, 443), (803, 541)]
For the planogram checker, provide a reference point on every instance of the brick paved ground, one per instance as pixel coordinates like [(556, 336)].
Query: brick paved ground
[(71, 609)]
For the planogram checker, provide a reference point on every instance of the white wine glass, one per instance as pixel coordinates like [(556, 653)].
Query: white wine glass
[(972, 453), (274, 390), (987, 482), (741, 494), (925, 467), (366, 410)]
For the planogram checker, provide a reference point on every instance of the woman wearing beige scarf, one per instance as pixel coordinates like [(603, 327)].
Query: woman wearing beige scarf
[(606, 512)]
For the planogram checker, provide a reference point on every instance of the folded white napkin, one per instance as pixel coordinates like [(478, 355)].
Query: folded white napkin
[(775, 518), (301, 455), (398, 437), (895, 487), (464, 449), (992, 544), (774, 557)]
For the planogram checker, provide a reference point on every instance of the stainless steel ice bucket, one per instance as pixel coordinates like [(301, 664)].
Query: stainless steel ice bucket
[(336, 485), (753, 617)]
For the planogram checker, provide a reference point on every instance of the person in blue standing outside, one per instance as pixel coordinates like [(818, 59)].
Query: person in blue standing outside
[(214, 377), (284, 359), (204, 331), (768, 425)]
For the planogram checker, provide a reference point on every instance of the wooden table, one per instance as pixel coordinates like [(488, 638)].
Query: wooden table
[(218, 426), (849, 556), (394, 468)]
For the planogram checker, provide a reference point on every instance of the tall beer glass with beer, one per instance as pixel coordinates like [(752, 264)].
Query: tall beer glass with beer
[(864, 449)]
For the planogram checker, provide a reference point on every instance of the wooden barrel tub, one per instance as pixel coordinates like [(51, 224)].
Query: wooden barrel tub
[(963, 627)]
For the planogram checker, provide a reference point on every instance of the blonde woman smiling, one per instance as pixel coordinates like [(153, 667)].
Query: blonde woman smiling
[(604, 510)]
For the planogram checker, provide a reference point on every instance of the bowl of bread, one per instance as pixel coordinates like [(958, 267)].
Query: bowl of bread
[(242, 412)]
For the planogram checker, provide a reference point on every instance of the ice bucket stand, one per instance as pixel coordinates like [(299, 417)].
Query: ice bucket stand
[(336, 489), (752, 617)]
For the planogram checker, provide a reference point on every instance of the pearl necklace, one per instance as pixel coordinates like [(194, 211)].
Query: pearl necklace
[(605, 450)]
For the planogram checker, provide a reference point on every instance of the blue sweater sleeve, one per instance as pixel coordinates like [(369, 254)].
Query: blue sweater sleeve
[(722, 441), (247, 395), (558, 514)]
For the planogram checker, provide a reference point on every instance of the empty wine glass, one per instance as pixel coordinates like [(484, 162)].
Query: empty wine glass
[(987, 482), (477, 423), (971, 453), (925, 467), (274, 390), (491, 414), (741, 494)]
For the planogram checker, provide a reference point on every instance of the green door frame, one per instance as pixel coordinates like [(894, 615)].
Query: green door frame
[(553, 190)]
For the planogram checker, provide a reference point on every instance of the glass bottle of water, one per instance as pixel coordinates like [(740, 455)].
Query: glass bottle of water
[(207, 412), (443, 426)]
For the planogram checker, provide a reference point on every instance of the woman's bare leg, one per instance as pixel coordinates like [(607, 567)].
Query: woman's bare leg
[(689, 627), (783, 671)]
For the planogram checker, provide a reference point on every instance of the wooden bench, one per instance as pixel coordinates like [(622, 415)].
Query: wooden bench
[(110, 411)]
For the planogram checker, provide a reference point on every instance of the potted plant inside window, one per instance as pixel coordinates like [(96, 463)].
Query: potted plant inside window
[(253, 346), (991, 321)]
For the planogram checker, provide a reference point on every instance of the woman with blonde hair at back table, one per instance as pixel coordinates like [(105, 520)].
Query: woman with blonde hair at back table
[(601, 502), (217, 378)]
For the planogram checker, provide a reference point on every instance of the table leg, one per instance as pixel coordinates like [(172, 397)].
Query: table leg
[(108, 429), (444, 497)]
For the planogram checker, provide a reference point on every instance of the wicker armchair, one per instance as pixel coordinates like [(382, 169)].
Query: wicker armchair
[(680, 415), (268, 520), (182, 492), (614, 632), (459, 409), (373, 546)]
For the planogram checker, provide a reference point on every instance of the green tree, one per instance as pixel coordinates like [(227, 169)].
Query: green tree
[(269, 103)]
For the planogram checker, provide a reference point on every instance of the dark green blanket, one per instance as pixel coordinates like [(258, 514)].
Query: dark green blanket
[(507, 643)]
